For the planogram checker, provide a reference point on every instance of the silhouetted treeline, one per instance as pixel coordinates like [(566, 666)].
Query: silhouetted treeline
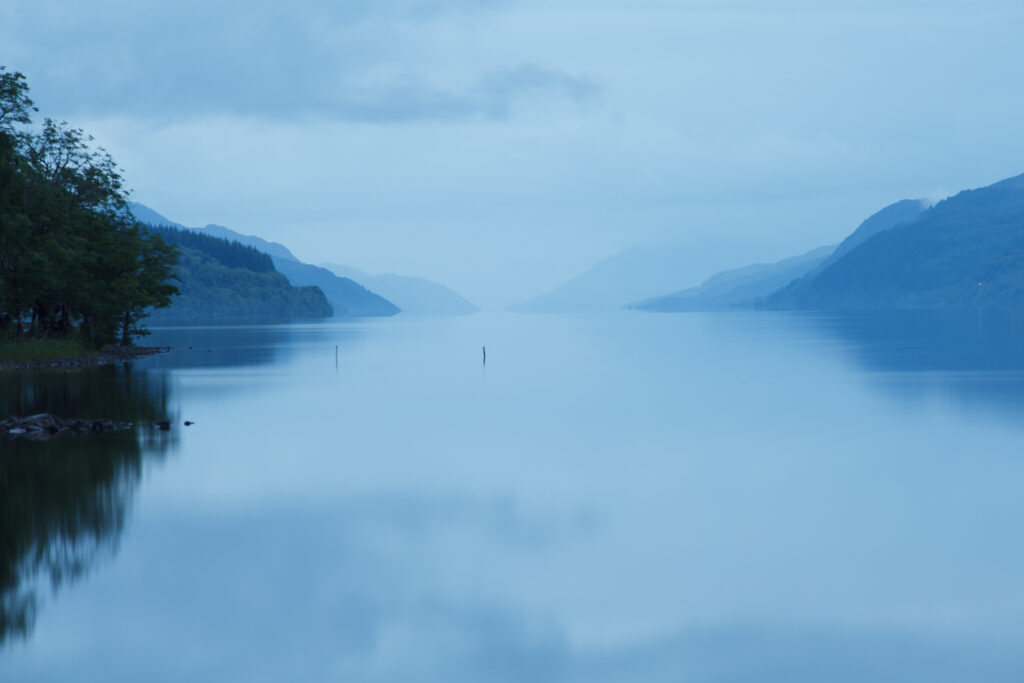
[(73, 262), (230, 253)]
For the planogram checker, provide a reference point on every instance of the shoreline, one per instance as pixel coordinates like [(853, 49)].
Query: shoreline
[(107, 356)]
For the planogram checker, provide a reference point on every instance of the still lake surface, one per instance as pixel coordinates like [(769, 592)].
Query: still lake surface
[(619, 497)]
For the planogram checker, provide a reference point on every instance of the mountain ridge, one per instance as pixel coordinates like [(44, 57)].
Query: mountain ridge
[(414, 295), (346, 296), (738, 287), (966, 251), (632, 275)]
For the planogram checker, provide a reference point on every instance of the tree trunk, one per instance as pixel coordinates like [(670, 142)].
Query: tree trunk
[(126, 325)]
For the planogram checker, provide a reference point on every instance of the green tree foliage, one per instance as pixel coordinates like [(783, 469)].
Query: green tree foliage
[(72, 259)]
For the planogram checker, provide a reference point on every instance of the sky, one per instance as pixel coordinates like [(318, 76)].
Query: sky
[(504, 146)]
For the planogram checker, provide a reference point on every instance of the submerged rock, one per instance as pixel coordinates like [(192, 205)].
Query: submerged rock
[(44, 426)]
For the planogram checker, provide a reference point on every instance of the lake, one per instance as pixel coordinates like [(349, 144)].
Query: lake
[(615, 497)]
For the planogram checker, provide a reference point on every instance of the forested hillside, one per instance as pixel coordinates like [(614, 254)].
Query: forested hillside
[(967, 251), (221, 280), (347, 297)]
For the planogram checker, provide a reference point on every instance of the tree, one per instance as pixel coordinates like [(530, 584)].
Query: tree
[(15, 104), (73, 260)]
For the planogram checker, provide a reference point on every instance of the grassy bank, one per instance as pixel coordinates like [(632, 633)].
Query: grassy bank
[(67, 353), (42, 350)]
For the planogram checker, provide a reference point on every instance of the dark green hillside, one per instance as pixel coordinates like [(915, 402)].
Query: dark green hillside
[(229, 253), (221, 280), (966, 251)]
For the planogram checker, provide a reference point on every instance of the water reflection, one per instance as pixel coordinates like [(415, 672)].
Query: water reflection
[(231, 346), (63, 502), (649, 498), (745, 652), (975, 358), (949, 341)]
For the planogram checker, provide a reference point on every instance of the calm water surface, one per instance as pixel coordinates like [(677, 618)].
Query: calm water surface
[(627, 497)]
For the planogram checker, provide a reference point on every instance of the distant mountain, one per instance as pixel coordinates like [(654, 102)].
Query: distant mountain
[(966, 251), (144, 214), (275, 249), (222, 280), (346, 296), (629, 276), (414, 295), (739, 287), (746, 286)]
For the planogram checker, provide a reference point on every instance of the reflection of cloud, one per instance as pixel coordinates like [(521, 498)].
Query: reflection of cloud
[(754, 653), (445, 641), (354, 592), (364, 590)]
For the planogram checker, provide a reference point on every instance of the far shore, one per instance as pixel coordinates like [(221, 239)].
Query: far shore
[(106, 356)]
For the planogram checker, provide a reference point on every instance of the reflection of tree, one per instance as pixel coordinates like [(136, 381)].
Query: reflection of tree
[(64, 501), (221, 346), (972, 357), (945, 341)]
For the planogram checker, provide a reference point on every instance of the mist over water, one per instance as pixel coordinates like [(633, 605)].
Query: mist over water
[(695, 497)]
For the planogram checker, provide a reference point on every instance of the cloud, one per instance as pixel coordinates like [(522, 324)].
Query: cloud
[(499, 88), (355, 61), (429, 136), (495, 95)]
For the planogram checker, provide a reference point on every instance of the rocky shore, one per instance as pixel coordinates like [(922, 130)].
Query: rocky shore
[(44, 425), (109, 355)]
